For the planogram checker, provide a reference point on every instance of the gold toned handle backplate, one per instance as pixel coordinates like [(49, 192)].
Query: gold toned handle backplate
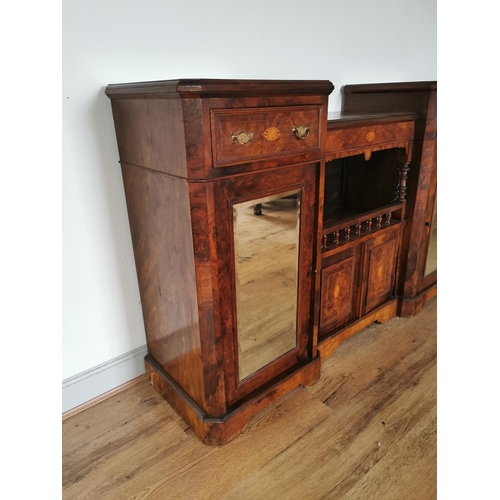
[(301, 132), (242, 138)]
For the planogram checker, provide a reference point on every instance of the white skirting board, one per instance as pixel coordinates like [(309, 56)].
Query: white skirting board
[(92, 383)]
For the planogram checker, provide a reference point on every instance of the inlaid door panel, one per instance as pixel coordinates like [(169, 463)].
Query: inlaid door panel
[(379, 270), (339, 290)]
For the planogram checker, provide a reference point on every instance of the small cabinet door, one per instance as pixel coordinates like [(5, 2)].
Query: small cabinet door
[(379, 270), (339, 290), (265, 226)]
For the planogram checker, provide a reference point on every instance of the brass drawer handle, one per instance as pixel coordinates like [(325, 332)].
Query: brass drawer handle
[(242, 138), (301, 132)]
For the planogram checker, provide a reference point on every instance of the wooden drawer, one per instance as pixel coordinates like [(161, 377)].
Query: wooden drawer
[(344, 141), (246, 135)]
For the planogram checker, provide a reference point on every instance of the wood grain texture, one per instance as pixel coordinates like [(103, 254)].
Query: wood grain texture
[(172, 138), (254, 187), (208, 87), (408, 307), (166, 125), (102, 397), (358, 291), (421, 98), (339, 286), (330, 340), (257, 121), (380, 264), (160, 225), (347, 140), (219, 431), (418, 237), (150, 134), (365, 430), (185, 170), (204, 236), (395, 97)]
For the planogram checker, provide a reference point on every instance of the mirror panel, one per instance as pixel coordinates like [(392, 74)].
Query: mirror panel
[(431, 260), (266, 246)]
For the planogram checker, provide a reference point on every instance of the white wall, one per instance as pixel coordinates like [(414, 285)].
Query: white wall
[(116, 41)]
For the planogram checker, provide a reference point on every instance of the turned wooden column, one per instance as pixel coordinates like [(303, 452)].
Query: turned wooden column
[(403, 176)]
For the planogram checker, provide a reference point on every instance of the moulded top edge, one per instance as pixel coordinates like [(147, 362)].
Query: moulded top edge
[(391, 87), (219, 87)]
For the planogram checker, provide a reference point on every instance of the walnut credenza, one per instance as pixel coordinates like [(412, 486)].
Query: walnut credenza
[(263, 235)]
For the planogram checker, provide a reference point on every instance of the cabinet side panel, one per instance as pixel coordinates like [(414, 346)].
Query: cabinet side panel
[(150, 134), (159, 217)]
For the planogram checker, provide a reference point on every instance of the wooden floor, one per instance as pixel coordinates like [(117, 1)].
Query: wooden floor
[(365, 430)]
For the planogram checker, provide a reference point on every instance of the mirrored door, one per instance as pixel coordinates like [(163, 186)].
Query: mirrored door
[(266, 231), (266, 243)]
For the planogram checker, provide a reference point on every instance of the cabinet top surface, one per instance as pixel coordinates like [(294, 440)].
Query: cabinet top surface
[(218, 87)]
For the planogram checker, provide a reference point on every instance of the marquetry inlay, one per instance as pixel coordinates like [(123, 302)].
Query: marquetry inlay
[(271, 133), (370, 136)]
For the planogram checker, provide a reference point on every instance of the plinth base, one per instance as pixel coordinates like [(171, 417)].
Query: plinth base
[(217, 431)]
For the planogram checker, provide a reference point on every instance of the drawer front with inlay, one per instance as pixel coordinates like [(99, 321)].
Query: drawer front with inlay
[(343, 140), (247, 135)]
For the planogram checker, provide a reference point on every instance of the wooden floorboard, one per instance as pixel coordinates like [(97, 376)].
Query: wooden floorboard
[(365, 430)]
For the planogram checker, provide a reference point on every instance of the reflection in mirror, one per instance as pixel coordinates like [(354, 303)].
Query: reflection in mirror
[(266, 245), (431, 261)]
